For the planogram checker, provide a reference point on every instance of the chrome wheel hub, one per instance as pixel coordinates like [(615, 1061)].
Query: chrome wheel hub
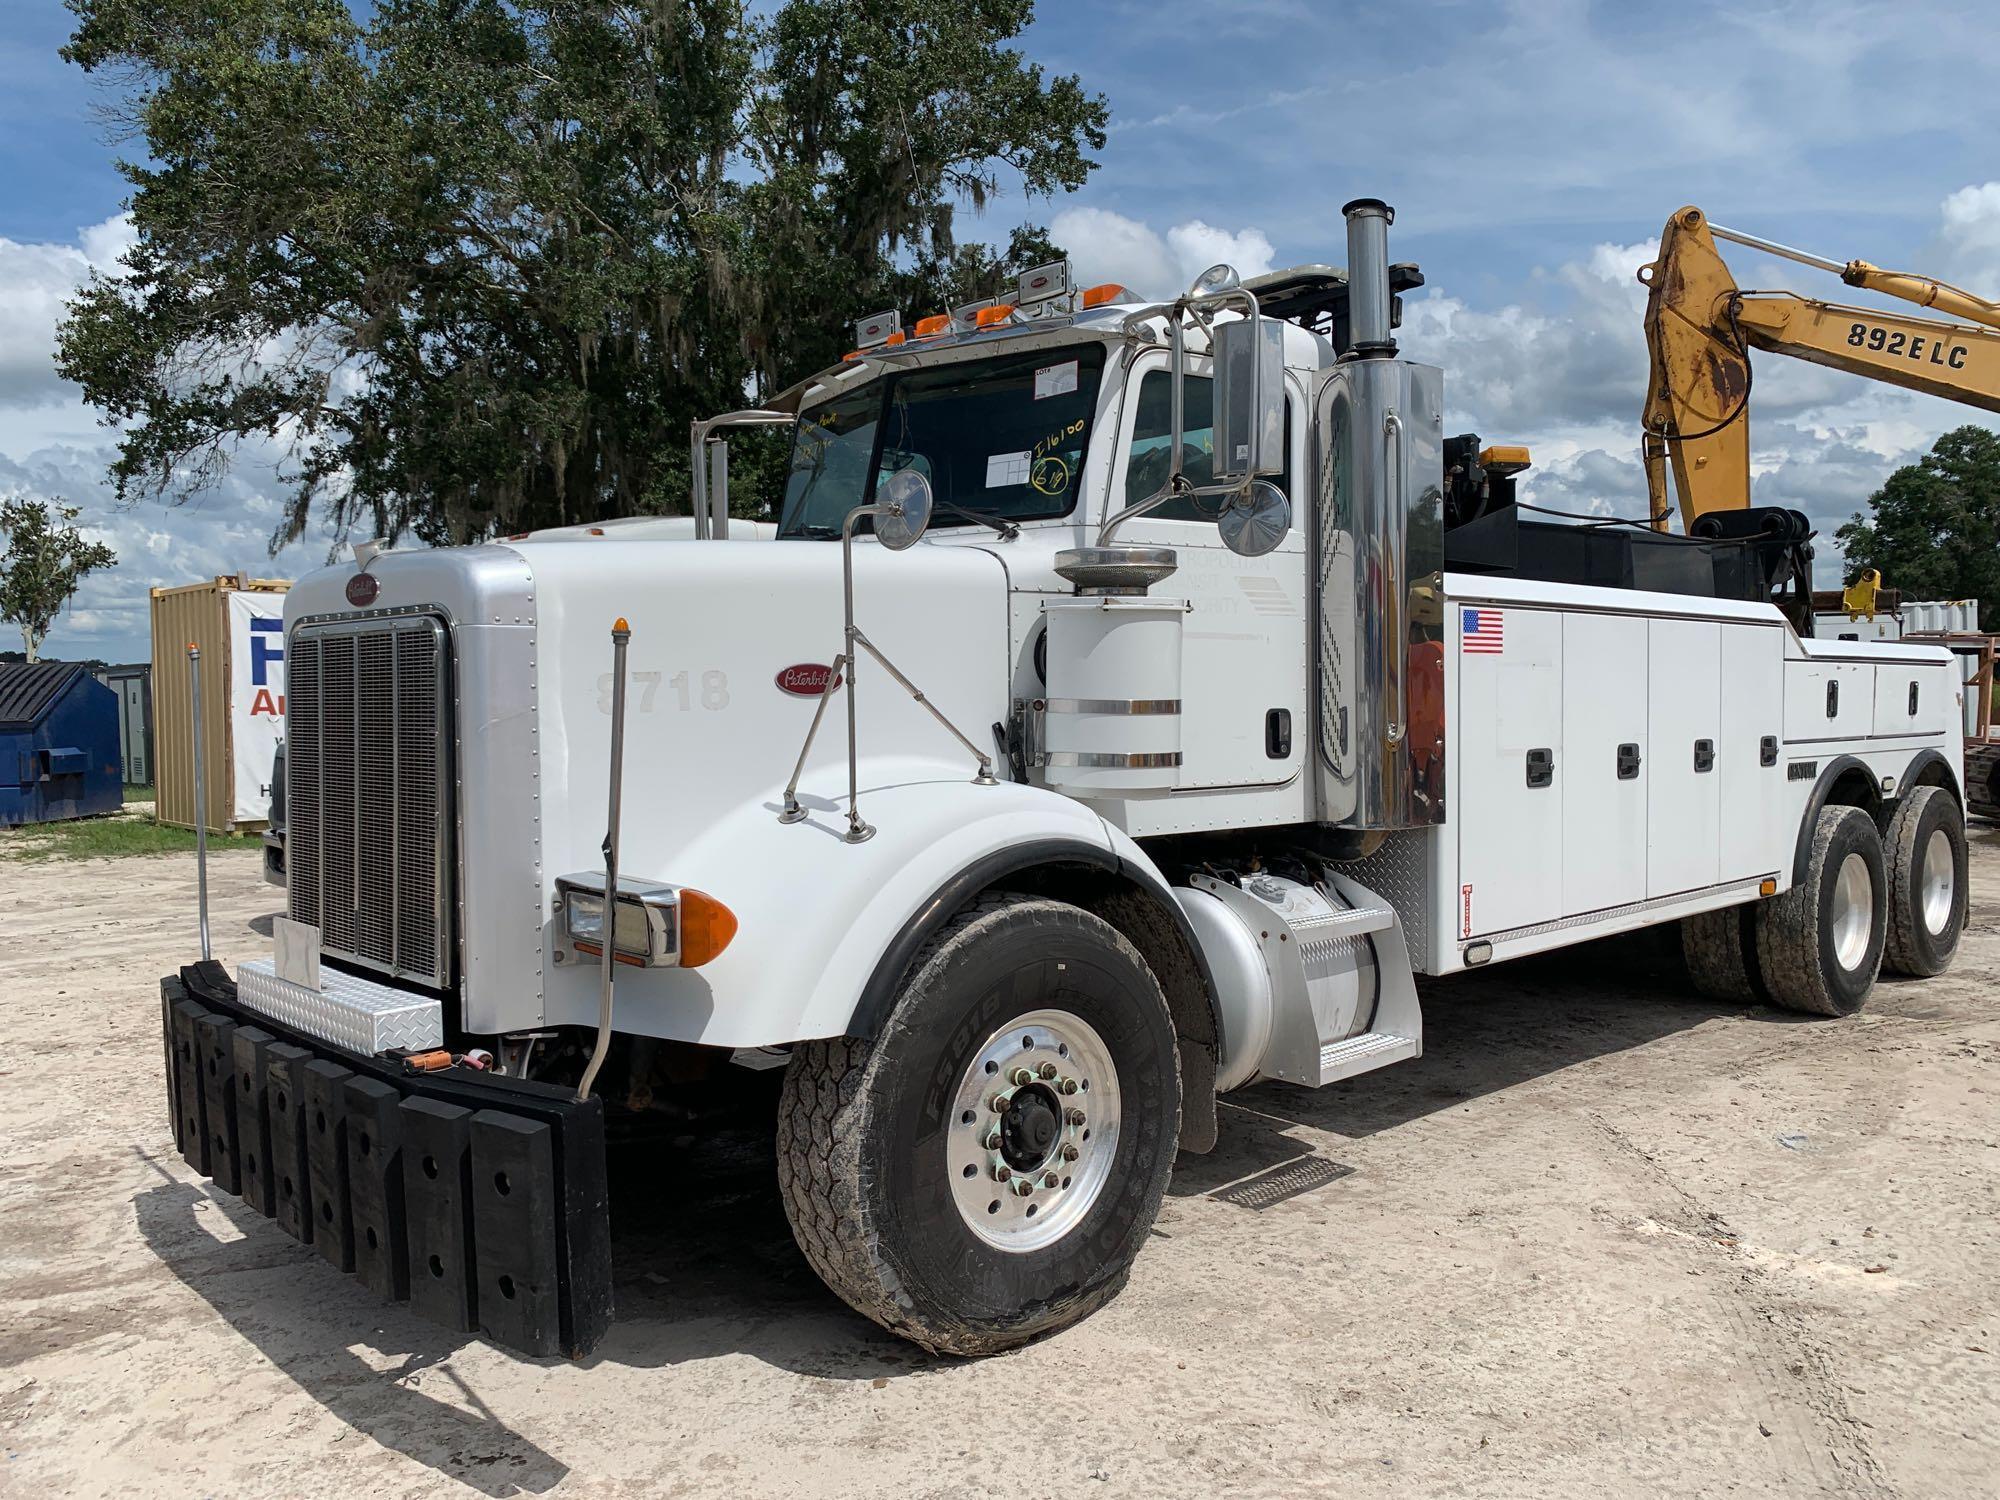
[(1033, 1130), (1853, 913), (1937, 882)]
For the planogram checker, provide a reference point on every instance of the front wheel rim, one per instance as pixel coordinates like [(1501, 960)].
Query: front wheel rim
[(1033, 1130), (1938, 882), (1853, 914)]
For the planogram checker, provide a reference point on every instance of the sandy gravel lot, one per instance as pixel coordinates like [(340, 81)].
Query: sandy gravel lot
[(1602, 1238)]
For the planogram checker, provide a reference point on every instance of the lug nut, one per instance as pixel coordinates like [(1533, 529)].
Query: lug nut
[(1052, 1181), (998, 1104), (1047, 1070), (1069, 1151), (1023, 1186), (1020, 1078), (993, 1141), (1074, 1116), (1002, 1172), (1069, 1085)]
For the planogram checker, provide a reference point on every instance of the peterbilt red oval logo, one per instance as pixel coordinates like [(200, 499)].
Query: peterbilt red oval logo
[(806, 680), (362, 589)]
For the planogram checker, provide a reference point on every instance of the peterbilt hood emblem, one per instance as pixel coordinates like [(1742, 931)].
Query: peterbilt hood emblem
[(806, 680), (362, 589)]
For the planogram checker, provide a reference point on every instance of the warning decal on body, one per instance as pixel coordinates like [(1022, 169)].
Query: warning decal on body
[(1465, 911)]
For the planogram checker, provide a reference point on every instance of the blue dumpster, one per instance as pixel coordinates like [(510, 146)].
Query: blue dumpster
[(58, 744)]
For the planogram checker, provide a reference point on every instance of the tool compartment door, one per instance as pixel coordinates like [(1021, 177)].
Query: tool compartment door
[(1683, 795), (1758, 820), (1605, 772), (1510, 767)]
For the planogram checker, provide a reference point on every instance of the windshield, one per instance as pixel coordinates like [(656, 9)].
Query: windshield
[(1004, 437)]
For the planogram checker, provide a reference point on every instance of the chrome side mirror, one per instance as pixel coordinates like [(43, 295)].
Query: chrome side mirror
[(902, 509), (1249, 363)]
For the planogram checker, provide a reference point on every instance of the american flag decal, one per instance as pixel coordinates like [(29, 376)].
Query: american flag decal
[(1481, 631)]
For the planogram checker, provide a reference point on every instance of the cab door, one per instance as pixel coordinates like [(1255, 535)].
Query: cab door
[(1243, 645)]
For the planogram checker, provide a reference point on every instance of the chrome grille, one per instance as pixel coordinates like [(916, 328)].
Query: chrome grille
[(367, 791)]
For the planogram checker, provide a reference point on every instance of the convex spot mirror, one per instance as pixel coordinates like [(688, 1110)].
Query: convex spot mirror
[(1255, 520), (902, 509)]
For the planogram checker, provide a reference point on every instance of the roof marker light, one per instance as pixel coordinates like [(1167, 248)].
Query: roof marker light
[(934, 325), (1042, 283), (992, 317), (1103, 292), (876, 328)]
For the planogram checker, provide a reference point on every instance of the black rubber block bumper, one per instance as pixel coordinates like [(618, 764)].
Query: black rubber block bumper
[(479, 1200)]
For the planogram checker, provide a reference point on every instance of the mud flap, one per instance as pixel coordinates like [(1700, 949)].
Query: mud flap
[(481, 1200)]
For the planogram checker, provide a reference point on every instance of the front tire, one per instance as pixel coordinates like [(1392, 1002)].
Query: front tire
[(985, 1170), (1819, 945), (1925, 849)]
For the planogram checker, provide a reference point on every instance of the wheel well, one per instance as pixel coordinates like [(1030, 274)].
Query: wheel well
[(1147, 920), (1854, 787)]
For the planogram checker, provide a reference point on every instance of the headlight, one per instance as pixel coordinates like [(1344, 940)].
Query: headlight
[(653, 925)]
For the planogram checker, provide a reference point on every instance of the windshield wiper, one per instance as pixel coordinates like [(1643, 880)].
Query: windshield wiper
[(816, 533), (1007, 529)]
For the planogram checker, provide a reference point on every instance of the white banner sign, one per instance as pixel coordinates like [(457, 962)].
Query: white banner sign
[(256, 698)]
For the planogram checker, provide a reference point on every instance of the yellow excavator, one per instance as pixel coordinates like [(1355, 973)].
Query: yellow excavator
[(1701, 327)]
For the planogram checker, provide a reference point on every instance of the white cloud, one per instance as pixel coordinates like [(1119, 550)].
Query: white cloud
[(227, 531), (1107, 246), (36, 279), (1970, 238)]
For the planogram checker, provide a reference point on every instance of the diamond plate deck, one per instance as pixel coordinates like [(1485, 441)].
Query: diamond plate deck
[(350, 1012)]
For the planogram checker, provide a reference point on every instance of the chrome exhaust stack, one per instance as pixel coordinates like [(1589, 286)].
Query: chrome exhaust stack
[(1379, 539), (1368, 301)]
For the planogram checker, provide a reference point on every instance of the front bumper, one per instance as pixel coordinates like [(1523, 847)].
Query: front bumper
[(479, 1200)]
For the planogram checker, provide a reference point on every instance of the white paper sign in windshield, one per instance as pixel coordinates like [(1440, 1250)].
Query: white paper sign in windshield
[(1006, 469), (1055, 380)]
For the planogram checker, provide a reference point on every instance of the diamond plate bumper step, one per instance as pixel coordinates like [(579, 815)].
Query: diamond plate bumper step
[(479, 1200)]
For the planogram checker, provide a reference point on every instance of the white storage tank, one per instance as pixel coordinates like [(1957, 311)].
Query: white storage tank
[(1112, 720)]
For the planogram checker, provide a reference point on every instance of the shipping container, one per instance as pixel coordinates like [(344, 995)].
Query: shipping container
[(234, 714)]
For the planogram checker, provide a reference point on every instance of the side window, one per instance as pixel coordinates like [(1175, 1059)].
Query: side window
[(1150, 460)]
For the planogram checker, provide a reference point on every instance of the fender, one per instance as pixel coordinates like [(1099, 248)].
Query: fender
[(816, 915), (1921, 762), (1836, 768)]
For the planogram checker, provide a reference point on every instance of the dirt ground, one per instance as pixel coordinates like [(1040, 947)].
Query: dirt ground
[(1603, 1238)]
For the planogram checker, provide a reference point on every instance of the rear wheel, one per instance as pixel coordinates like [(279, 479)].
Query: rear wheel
[(1925, 851), (985, 1170), (1719, 947), (1819, 945)]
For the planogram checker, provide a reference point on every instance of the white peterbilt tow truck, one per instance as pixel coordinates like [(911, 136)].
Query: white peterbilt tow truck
[(1132, 701)]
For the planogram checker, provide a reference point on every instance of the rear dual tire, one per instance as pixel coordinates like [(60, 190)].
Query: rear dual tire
[(1925, 848)]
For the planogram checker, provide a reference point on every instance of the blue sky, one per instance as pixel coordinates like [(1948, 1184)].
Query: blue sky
[(1531, 150)]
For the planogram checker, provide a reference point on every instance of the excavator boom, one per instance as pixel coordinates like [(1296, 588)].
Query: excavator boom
[(1701, 328)]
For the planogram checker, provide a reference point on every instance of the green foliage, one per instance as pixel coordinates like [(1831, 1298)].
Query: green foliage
[(1934, 527), (114, 836), (477, 264), (45, 560)]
